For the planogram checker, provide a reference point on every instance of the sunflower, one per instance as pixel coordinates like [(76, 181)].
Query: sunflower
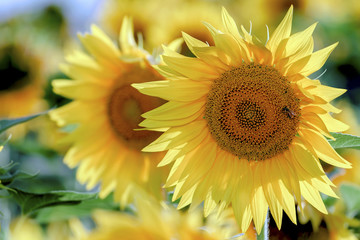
[(24, 228), (159, 221), (142, 12), (105, 110), (185, 16), (22, 74), (244, 125)]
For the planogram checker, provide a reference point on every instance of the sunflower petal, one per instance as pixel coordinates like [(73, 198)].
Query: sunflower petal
[(281, 32)]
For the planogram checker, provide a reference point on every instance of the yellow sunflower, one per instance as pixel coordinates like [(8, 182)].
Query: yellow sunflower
[(185, 16), (21, 84), (155, 221), (244, 125), (105, 111), (142, 12), (24, 228), (337, 223)]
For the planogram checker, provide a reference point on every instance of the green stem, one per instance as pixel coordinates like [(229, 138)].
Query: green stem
[(265, 232)]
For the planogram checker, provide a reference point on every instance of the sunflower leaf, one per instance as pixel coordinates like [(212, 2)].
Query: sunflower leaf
[(345, 141), (8, 177), (65, 212), (3, 142), (7, 123), (31, 202), (351, 195)]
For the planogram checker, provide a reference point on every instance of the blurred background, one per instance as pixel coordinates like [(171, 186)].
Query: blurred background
[(35, 35)]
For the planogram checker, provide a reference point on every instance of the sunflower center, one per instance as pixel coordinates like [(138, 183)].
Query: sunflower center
[(126, 105), (14, 73), (252, 112)]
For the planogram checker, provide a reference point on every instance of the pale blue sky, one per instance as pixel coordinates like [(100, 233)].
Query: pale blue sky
[(79, 13)]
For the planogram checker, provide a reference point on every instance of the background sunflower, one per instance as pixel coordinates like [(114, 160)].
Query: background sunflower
[(105, 112)]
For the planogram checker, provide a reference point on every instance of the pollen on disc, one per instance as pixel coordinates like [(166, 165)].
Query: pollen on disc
[(252, 112)]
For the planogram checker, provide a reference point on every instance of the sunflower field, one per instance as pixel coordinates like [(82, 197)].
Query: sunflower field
[(179, 119)]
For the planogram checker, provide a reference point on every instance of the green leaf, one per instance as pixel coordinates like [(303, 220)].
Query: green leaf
[(85, 208), (345, 141), (7, 123), (3, 142), (6, 168), (30, 202), (8, 174), (9, 177), (351, 195), (328, 201)]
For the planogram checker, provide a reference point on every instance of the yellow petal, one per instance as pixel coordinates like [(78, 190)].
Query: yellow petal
[(332, 124), (151, 123), (314, 122), (306, 160), (310, 64), (312, 196), (76, 112), (174, 110), (282, 192), (229, 24), (84, 73), (269, 192), (229, 45), (103, 52), (259, 206), (176, 136), (296, 45), (197, 167), (327, 93), (76, 89), (126, 37), (241, 202), (323, 149), (183, 149), (192, 68), (214, 57), (281, 32), (192, 42), (181, 90), (104, 38)]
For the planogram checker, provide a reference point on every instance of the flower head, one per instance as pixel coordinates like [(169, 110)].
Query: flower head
[(105, 110), (23, 76), (244, 125)]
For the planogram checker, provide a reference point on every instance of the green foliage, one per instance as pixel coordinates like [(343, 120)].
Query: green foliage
[(345, 141), (65, 212), (30, 202), (7, 123), (328, 201), (351, 195), (8, 175)]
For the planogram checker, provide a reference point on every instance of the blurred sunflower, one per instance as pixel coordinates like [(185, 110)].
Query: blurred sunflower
[(185, 16), (105, 111), (244, 124), (337, 223), (157, 221), (144, 20), (22, 80), (171, 18), (25, 228)]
